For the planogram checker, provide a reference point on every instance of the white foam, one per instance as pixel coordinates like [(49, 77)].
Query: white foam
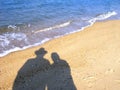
[(12, 26), (7, 37), (92, 21), (19, 49), (54, 27), (102, 17), (17, 36)]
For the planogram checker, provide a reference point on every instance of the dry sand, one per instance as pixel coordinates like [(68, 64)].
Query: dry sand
[(93, 56)]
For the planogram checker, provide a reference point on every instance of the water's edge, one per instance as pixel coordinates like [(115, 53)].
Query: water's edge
[(91, 22)]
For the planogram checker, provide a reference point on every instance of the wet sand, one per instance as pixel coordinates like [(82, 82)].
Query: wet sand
[(91, 57)]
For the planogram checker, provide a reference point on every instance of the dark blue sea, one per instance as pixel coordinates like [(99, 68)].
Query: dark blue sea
[(27, 23)]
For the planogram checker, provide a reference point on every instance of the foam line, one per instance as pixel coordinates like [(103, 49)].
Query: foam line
[(92, 21), (54, 27)]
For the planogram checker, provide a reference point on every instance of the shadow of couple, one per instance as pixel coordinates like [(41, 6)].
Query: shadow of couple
[(39, 74)]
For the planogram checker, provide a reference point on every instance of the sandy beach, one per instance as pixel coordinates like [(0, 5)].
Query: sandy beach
[(87, 60)]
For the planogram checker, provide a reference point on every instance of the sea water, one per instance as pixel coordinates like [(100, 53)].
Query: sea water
[(27, 23)]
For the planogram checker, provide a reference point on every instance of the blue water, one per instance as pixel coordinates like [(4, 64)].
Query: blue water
[(24, 23)]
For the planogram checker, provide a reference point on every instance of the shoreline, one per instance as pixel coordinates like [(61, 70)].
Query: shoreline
[(17, 49), (92, 21), (93, 56)]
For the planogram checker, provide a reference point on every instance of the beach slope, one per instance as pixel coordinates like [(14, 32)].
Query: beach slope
[(92, 59)]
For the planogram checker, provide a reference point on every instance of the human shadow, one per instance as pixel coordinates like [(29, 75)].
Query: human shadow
[(33, 74), (60, 78), (38, 74)]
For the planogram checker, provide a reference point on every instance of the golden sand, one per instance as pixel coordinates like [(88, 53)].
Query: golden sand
[(92, 54)]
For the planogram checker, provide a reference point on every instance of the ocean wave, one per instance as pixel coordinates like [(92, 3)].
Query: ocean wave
[(22, 36), (6, 38), (92, 21), (102, 17), (54, 27), (25, 47), (4, 41), (12, 26)]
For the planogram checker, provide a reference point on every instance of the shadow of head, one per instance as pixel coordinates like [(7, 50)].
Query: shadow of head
[(55, 57), (41, 52)]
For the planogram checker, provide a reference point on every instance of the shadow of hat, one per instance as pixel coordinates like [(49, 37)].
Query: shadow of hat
[(40, 51)]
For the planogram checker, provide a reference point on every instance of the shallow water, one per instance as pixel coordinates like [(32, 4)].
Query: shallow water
[(25, 23)]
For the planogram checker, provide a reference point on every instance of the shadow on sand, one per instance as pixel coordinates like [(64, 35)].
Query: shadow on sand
[(39, 74)]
